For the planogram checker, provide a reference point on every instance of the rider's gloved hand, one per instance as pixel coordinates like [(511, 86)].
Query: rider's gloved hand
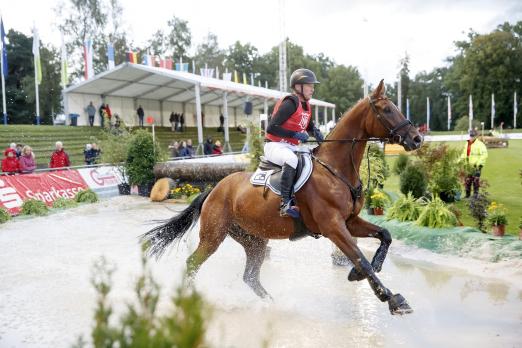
[(301, 136), (318, 135)]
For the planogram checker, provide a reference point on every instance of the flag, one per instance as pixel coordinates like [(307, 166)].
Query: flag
[(147, 60), (168, 63), (227, 76), (193, 67), (4, 48), (36, 54), (87, 55), (245, 79), (470, 112), (492, 110), (182, 67), (132, 57), (206, 72), (110, 56), (217, 72), (65, 77), (236, 79)]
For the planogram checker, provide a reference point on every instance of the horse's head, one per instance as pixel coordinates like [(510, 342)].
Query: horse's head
[(386, 121)]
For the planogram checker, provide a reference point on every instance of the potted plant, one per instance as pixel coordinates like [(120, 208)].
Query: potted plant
[(142, 155), (115, 146), (497, 219), (378, 200)]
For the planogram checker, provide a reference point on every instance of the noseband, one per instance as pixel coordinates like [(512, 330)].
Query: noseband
[(393, 135)]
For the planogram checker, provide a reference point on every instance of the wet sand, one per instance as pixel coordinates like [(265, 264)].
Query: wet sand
[(46, 299)]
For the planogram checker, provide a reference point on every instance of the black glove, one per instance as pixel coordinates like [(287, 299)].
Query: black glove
[(318, 135), (301, 136)]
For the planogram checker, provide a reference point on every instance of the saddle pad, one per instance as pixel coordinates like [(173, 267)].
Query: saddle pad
[(272, 178)]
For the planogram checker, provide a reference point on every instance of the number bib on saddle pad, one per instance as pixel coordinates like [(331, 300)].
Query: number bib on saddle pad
[(269, 174)]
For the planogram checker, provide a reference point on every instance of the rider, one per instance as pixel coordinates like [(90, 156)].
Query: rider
[(290, 123)]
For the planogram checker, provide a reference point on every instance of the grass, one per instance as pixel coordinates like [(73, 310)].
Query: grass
[(502, 173)]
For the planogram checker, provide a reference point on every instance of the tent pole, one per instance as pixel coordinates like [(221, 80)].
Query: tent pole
[(199, 150), (228, 148)]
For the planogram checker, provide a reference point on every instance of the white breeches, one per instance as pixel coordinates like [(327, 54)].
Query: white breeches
[(281, 153)]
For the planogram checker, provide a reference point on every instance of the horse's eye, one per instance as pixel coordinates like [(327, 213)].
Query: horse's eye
[(387, 109)]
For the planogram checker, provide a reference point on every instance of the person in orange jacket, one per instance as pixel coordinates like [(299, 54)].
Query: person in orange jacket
[(59, 158)]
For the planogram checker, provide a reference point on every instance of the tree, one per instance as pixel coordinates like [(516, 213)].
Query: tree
[(405, 80), (208, 53), (342, 87), (241, 57), (179, 38)]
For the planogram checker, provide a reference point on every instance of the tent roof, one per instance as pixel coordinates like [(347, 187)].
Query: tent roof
[(145, 82)]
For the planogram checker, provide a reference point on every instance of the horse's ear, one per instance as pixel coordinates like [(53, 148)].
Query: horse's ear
[(380, 90)]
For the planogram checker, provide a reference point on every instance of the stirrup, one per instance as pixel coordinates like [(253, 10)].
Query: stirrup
[(289, 210)]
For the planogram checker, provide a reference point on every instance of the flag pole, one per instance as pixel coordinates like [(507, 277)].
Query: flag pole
[(37, 98), (4, 104)]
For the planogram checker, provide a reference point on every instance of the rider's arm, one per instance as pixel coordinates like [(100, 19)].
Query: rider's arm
[(286, 109), (314, 131)]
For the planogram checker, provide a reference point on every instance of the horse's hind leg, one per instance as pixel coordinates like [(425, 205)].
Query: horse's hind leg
[(360, 228), (255, 249), (212, 232)]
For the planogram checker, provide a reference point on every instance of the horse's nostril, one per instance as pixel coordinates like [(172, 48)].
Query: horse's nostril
[(417, 139)]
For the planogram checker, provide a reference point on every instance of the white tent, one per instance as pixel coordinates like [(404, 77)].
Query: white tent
[(162, 91)]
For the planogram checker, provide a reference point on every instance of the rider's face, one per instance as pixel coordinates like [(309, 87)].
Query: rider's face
[(308, 90)]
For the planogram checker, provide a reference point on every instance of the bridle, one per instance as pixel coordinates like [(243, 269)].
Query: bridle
[(393, 138)]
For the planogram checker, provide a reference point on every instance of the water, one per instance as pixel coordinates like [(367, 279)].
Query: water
[(46, 299)]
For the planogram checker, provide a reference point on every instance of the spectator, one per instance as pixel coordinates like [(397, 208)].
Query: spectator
[(221, 127), (183, 152), (141, 115), (91, 112), (89, 154), (216, 149), (101, 110), (109, 114), (117, 121), (208, 147), (190, 149), (27, 161), (182, 123), (174, 149), (174, 121), (97, 152), (10, 163), (18, 149), (59, 157)]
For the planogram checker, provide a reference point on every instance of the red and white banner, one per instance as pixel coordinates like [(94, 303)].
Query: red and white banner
[(46, 187), (101, 177)]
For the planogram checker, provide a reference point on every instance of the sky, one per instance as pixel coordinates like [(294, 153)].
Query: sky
[(371, 35)]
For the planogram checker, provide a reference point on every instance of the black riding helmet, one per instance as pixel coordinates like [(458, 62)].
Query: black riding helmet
[(302, 76)]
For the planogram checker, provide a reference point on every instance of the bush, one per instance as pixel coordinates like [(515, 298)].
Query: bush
[(4, 216), (378, 168), (64, 203), (255, 147), (406, 208), (86, 196), (142, 155), (401, 163), (413, 180), (436, 214), (34, 207), (478, 208), (184, 325), (463, 124), (115, 149)]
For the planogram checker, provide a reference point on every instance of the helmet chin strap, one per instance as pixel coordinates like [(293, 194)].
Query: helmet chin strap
[(301, 93)]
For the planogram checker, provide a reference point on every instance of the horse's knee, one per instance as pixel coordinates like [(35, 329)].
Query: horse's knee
[(385, 236)]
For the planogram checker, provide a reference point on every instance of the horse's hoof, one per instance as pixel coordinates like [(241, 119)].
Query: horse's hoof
[(398, 305), (355, 275)]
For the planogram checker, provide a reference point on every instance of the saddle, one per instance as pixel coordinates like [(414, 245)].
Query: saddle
[(268, 174)]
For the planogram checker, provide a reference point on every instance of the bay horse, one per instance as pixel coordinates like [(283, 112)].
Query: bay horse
[(329, 202)]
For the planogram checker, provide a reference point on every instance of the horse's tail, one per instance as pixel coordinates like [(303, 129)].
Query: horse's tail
[(173, 229)]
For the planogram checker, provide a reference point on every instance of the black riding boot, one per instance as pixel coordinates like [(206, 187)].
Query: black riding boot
[(287, 183)]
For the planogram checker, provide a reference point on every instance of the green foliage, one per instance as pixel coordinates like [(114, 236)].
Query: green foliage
[(115, 149), (64, 203), (86, 196), (463, 124), (401, 163), (34, 207), (406, 208), (436, 214), (255, 147), (520, 223), (184, 325), (413, 179), (141, 157), (441, 164), (478, 208), (496, 214), (4, 216), (378, 167), (378, 199)]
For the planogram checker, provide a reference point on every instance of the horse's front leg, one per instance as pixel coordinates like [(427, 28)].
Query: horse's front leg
[(360, 228), (339, 234)]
